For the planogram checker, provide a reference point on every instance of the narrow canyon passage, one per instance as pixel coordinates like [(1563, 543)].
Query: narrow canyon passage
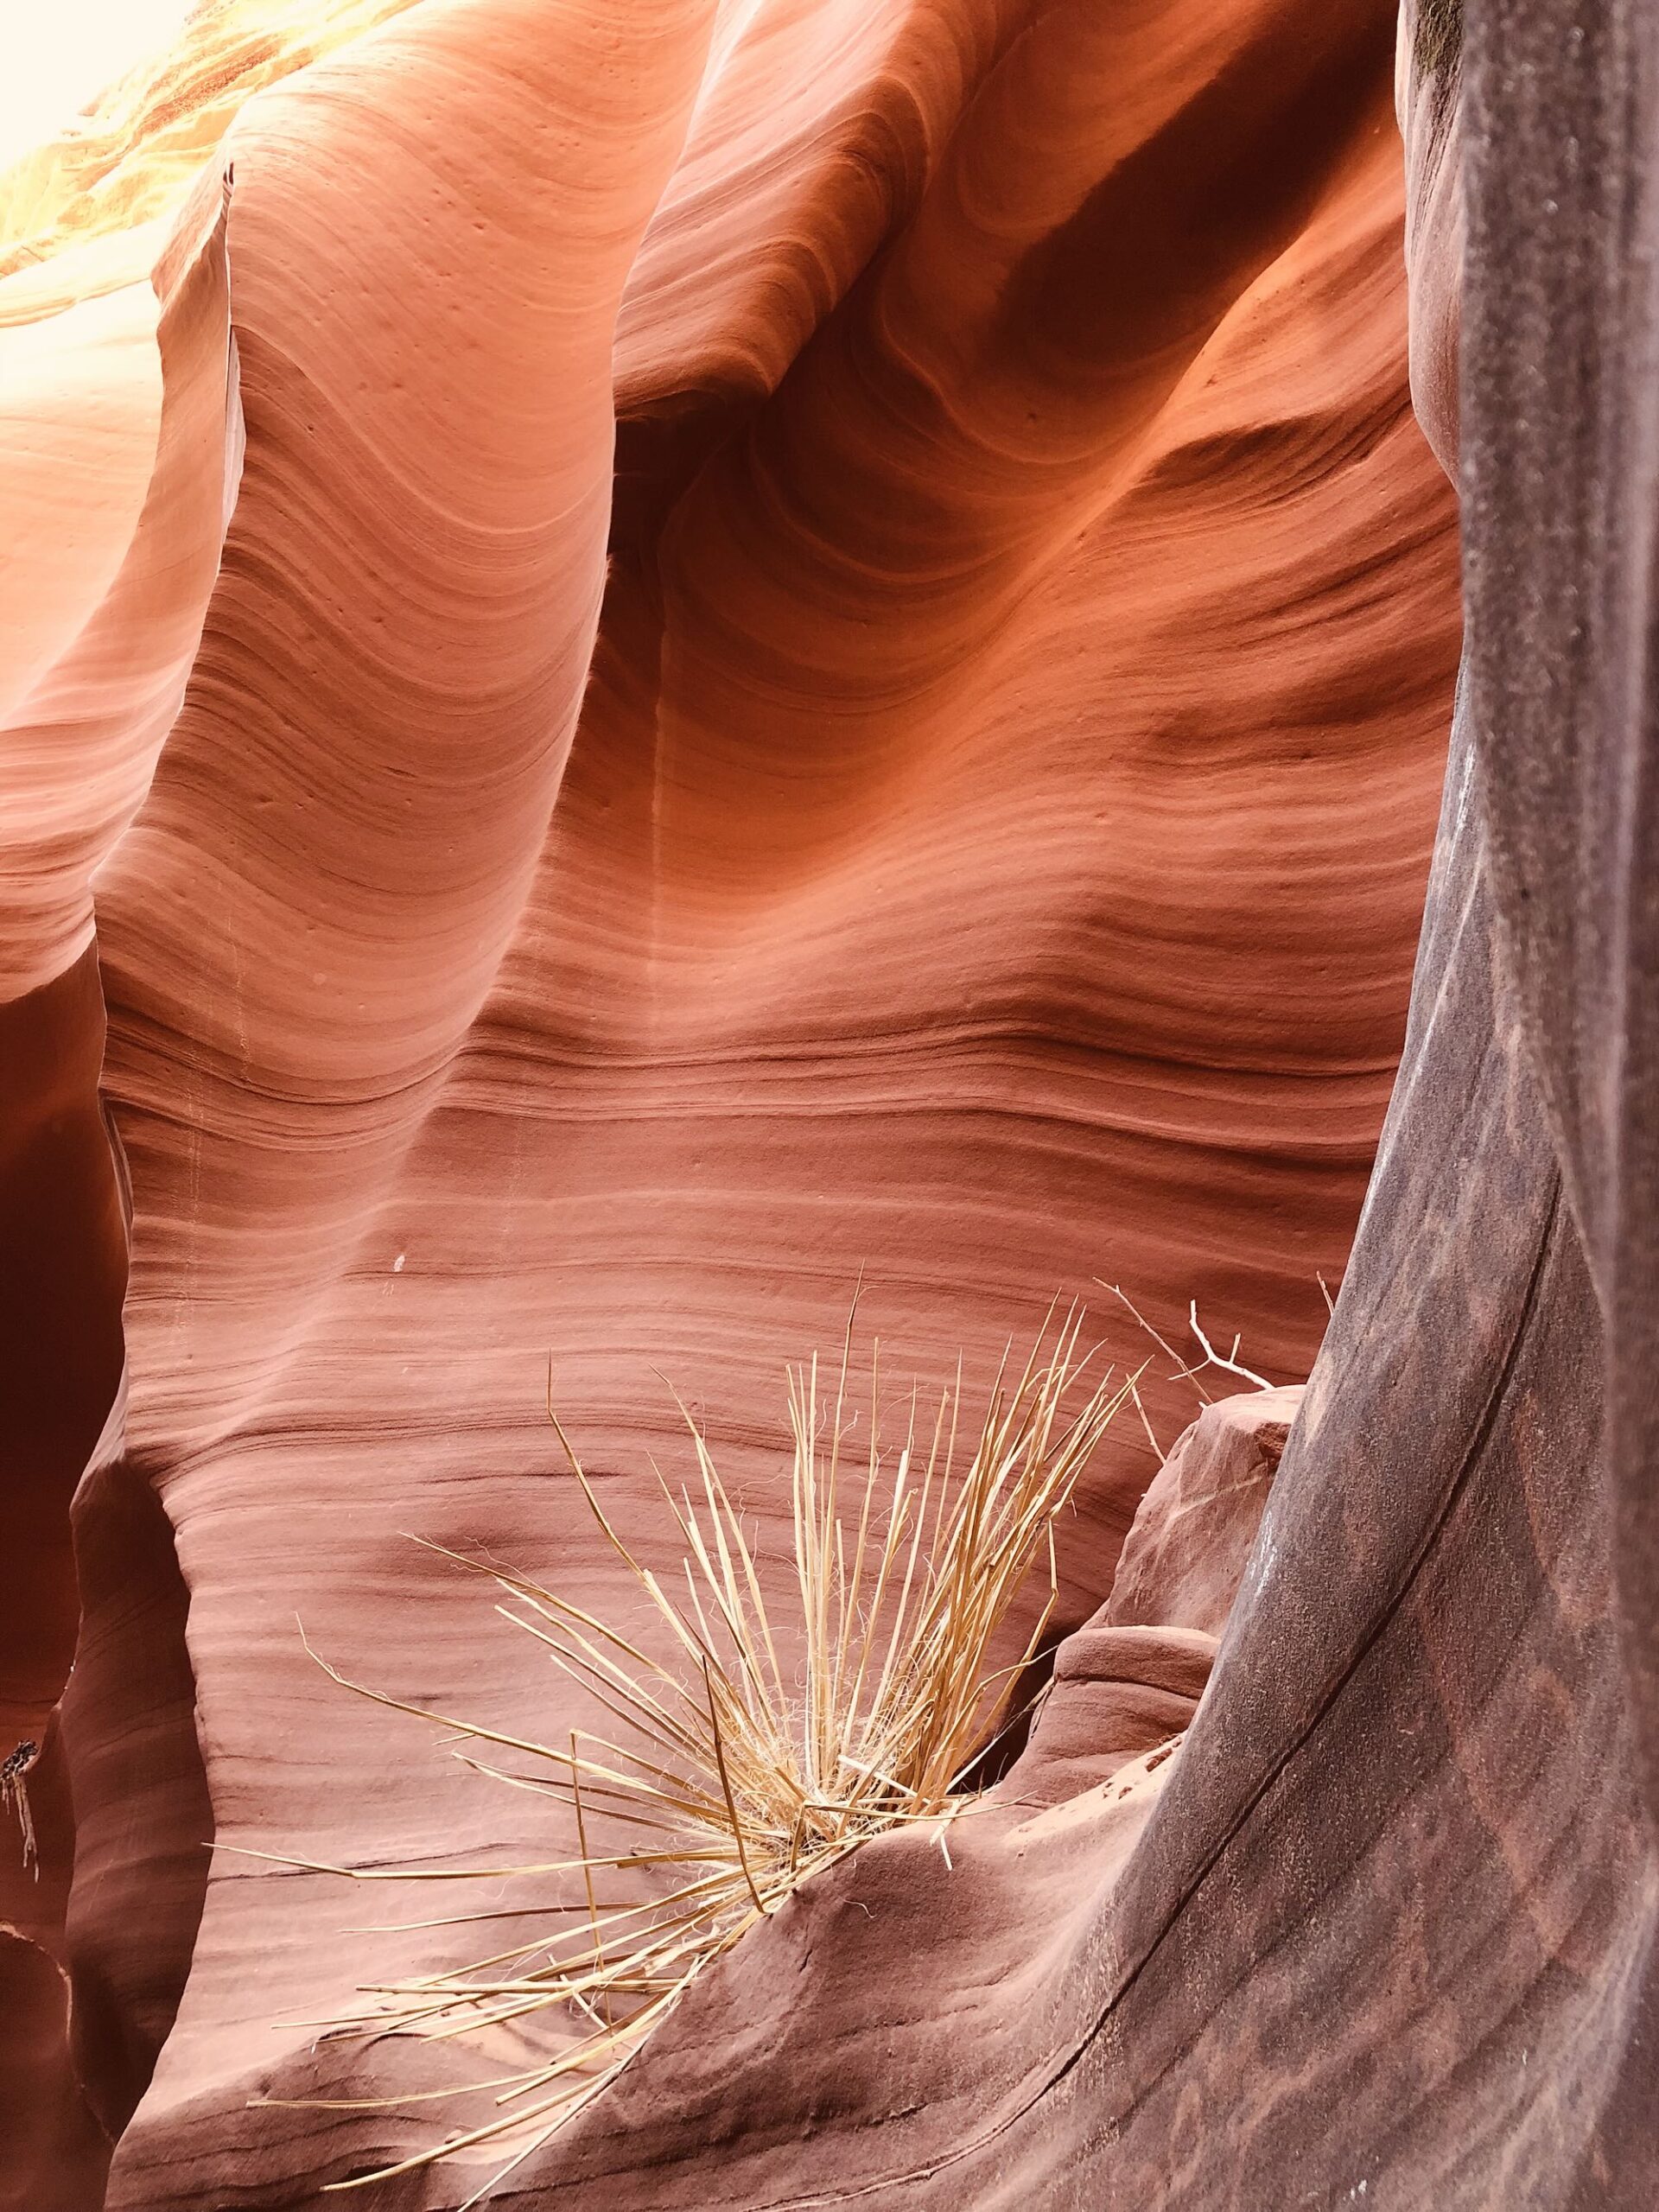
[(724, 649)]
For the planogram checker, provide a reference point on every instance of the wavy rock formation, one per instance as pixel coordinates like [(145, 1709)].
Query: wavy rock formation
[(1386, 1931), (1185, 1554), (833, 653), (118, 456)]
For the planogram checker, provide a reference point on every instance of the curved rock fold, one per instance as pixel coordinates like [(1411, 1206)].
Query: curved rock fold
[(659, 655)]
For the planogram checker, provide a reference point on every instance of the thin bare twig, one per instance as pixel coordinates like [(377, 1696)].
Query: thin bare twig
[(1230, 1362)]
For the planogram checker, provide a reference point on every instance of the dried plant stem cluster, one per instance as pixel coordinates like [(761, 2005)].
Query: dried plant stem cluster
[(762, 1747)]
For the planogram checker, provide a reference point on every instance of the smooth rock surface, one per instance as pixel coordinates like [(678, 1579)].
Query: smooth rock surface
[(833, 654)]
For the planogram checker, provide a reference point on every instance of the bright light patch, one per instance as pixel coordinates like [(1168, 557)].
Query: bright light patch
[(110, 111), (61, 55)]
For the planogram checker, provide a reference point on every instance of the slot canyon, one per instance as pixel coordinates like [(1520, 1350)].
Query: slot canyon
[(687, 682)]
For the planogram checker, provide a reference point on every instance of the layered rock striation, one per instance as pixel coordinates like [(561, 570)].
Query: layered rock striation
[(708, 647)]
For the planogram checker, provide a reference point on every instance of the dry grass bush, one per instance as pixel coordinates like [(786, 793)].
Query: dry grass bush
[(778, 1732)]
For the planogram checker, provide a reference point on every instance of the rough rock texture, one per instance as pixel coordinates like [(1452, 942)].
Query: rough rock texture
[(1116, 1693), (1127, 1680), (835, 651), (1188, 1545)]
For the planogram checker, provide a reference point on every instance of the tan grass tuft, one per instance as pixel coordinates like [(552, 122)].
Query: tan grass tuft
[(733, 1777)]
